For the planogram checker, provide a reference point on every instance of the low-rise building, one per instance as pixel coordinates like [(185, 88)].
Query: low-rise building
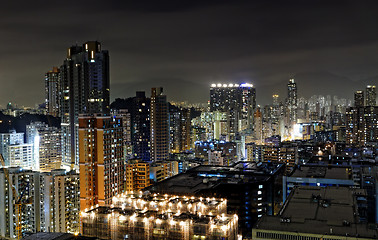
[(316, 213)]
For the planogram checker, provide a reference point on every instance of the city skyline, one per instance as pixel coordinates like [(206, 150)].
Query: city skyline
[(176, 46)]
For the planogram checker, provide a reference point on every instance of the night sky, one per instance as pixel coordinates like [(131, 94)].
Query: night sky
[(329, 47)]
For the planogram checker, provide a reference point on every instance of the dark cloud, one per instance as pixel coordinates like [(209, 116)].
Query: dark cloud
[(186, 45)]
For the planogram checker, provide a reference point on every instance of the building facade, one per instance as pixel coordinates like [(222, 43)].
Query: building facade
[(101, 159)]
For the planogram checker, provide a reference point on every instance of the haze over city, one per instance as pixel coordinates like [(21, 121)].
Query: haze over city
[(201, 120), (328, 47)]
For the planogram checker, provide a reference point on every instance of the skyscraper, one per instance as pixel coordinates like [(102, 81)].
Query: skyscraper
[(102, 172), (292, 100), (371, 96), (238, 101), (140, 126), (84, 90), (159, 125), (52, 92), (359, 98)]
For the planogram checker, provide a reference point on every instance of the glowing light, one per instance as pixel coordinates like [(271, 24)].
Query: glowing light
[(247, 85)]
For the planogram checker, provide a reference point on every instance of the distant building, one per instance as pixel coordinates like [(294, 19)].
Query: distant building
[(52, 92), (361, 125), (319, 213), (359, 99), (102, 172), (292, 100), (371, 96), (238, 101)]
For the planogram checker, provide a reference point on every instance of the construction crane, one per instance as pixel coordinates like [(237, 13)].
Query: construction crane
[(17, 199)]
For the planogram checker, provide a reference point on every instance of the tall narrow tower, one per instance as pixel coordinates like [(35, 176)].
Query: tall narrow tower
[(84, 90), (359, 99), (52, 92), (292, 100), (159, 125), (371, 96)]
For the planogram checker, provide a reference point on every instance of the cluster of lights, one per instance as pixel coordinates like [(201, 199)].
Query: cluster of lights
[(243, 85), (165, 212)]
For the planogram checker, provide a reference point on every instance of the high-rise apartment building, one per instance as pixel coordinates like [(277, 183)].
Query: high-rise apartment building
[(140, 126), (238, 101), (361, 125), (101, 159), (292, 100), (46, 141), (179, 129), (59, 201), (84, 90), (52, 92), (359, 99), (371, 96), (49, 201), (159, 125), (11, 138), (21, 155)]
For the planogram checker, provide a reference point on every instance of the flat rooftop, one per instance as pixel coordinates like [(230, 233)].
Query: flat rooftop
[(207, 177), (323, 172), (316, 210)]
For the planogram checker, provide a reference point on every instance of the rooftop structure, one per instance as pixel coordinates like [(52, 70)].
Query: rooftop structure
[(318, 175), (319, 213), (157, 216)]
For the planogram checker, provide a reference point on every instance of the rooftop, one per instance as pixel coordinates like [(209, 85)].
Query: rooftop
[(325, 211), (323, 172), (207, 177)]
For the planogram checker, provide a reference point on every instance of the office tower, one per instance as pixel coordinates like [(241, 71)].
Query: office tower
[(46, 141), (101, 159), (140, 126), (371, 96), (52, 92), (84, 90), (292, 102), (154, 216), (159, 125), (238, 101), (11, 138), (359, 99)]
